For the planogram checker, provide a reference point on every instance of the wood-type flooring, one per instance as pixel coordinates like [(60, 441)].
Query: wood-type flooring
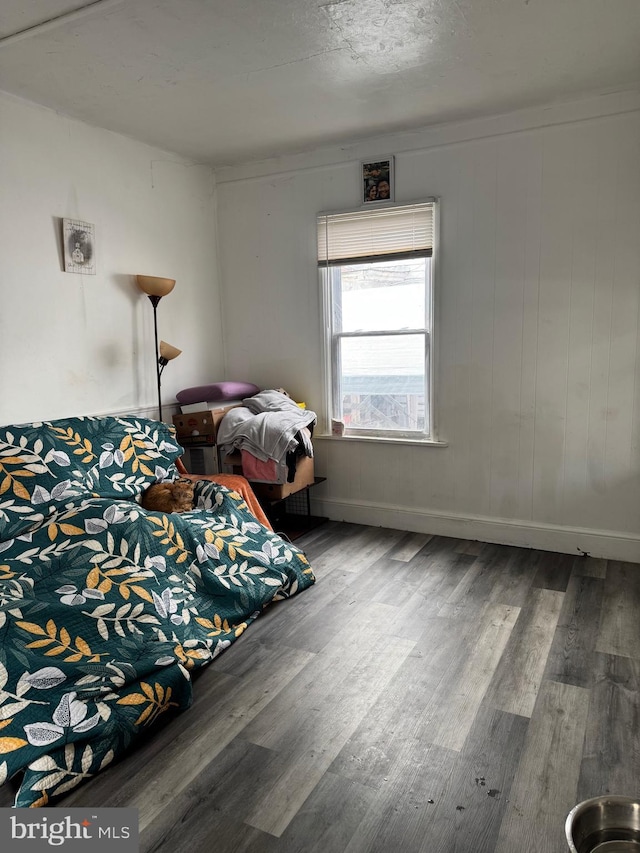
[(427, 694)]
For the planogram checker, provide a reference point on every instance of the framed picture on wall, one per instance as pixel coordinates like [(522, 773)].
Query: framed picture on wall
[(79, 240), (377, 181)]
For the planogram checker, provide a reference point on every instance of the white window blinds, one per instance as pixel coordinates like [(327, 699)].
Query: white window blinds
[(384, 233)]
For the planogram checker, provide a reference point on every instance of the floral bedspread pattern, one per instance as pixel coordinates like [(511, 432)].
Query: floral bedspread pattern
[(106, 607)]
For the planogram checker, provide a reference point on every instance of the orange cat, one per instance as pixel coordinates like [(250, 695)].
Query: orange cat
[(169, 497)]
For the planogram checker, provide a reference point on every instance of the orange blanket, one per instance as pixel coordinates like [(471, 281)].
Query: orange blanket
[(234, 482)]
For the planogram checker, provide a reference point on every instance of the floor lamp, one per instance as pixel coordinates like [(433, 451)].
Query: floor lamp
[(156, 288)]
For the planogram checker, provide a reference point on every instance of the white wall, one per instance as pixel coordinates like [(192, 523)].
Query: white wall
[(538, 377), (76, 344)]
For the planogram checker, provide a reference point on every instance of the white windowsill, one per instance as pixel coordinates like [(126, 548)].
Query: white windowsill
[(418, 442)]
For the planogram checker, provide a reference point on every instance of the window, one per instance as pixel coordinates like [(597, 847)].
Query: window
[(376, 272)]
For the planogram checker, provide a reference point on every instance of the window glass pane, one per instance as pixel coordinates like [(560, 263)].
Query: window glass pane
[(382, 382), (381, 296)]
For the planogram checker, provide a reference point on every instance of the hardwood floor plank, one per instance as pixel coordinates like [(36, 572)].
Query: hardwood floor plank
[(590, 567), (400, 814), (319, 538), (554, 570), (330, 602), (514, 583), (379, 744), (193, 739), (619, 632), (437, 561), (422, 607), (468, 810), (409, 546), (218, 832), (326, 540), (437, 671), (612, 741), (225, 793), (227, 790), (429, 585), (352, 646), (572, 654), (309, 748), (440, 570), (441, 545), (329, 818), (471, 546), (354, 552), (450, 713), (546, 781), (475, 589), (397, 585), (213, 799), (519, 673)]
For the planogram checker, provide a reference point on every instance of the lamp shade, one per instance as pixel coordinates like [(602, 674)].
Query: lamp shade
[(168, 352), (152, 285)]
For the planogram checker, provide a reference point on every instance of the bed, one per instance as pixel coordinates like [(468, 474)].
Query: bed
[(106, 608)]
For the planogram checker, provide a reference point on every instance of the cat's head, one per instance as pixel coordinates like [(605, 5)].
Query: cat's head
[(183, 488)]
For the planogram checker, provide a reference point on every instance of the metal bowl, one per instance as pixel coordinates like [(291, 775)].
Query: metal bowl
[(608, 824)]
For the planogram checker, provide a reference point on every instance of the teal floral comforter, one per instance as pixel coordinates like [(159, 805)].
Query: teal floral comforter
[(105, 607)]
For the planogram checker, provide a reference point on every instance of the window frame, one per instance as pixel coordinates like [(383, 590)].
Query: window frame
[(331, 340)]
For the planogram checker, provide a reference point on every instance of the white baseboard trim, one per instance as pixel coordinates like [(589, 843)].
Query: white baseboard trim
[(608, 544)]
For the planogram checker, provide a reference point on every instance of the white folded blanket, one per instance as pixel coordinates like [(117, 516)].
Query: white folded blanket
[(266, 425)]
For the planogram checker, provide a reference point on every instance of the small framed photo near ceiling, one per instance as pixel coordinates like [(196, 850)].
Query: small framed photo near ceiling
[(79, 239), (377, 181)]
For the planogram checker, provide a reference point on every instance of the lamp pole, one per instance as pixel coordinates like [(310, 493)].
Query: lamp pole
[(155, 288), (154, 301)]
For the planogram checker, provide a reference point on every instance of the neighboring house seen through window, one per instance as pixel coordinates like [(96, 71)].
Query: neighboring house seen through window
[(376, 274)]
